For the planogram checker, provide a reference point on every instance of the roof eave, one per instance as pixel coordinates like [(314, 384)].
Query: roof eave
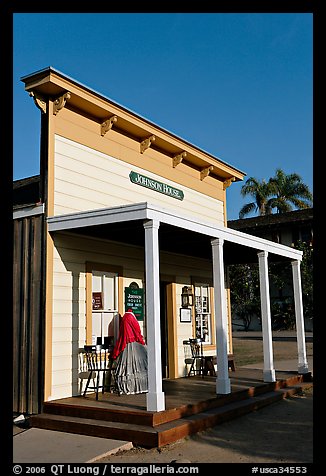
[(51, 83)]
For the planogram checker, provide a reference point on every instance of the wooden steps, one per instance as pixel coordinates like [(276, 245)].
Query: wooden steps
[(150, 429)]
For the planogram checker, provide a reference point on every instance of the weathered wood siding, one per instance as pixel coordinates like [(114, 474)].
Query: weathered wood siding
[(28, 309)]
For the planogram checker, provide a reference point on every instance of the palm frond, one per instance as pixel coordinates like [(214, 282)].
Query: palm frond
[(246, 209)]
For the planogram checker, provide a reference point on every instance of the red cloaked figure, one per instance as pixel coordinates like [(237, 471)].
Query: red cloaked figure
[(129, 331), (130, 355)]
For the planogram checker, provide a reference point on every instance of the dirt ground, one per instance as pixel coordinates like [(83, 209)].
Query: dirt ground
[(279, 433)]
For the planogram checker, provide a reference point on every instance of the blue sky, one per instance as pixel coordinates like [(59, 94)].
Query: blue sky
[(239, 86)]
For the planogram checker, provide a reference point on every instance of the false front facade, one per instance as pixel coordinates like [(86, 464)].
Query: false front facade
[(132, 217)]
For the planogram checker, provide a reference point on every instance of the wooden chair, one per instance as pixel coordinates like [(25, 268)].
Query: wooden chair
[(197, 359), (99, 365)]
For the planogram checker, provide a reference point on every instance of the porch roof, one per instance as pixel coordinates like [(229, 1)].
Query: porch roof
[(135, 214)]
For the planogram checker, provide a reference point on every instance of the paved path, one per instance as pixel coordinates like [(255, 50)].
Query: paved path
[(277, 335), (283, 365), (47, 446)]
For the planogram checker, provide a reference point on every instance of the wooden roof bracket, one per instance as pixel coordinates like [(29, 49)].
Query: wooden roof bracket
[(146, 143), (228, 182), (39, 101), (177, 159), (205, 172), (107, 125), (60, 102)]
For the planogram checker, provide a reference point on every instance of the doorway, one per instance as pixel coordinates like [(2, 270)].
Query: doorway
[(164, 329)]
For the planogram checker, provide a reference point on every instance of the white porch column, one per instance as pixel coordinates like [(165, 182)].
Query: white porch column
[(299, 319), (269, 372), (155, 397), (223, 384)]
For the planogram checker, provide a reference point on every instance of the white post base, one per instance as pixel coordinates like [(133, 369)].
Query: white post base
[(269, 375), (303, 368), (223, 386), (155, 402)]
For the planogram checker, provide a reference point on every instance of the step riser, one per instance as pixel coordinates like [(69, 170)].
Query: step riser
[(170, 436), (156, 439), (210, 421), (97, 414), (140, 438)]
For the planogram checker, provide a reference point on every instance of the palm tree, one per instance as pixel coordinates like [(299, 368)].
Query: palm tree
[(283, 191), (290, 191), (262, 193)]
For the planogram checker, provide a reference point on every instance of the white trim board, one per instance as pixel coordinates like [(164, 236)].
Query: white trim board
[(147, 211)]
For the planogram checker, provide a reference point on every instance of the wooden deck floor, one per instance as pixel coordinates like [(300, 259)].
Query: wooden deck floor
[(178, 392)]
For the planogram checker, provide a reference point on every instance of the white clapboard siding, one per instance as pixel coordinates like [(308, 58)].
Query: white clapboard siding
[(69, 318), (61, 392), (62, 279), (61, 348), (66, 293), (63, 306), (61, 363), (62, 377), (86, 179), (62, 334)]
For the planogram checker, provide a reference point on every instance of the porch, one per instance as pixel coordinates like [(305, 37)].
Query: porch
[(156, 229), (191, 406)]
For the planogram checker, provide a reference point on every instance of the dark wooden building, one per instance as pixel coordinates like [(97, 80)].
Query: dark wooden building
[(285, 228), (28, 296)]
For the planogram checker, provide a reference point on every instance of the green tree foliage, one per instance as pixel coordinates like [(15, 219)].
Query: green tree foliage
[(290, 191), (307, 278), (282, 192), (282, 306), (245, 292), (262, 193)]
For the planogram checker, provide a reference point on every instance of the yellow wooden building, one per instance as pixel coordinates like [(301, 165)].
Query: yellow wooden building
[(132, 216)]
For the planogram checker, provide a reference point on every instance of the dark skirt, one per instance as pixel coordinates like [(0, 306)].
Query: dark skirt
[(131, 369)]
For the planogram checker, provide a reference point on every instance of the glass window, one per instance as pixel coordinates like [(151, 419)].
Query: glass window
[(203, 315), (104, 305)]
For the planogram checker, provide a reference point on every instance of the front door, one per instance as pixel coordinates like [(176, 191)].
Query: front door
[(164, 330)]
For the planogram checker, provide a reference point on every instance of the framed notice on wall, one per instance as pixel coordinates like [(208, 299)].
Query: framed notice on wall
[(97, 301), (185, 314)]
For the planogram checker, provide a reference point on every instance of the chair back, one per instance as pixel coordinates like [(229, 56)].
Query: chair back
[(196, 346), (97, 357)]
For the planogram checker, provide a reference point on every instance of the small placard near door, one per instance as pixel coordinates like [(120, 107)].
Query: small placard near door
[(97, 301), (134, 299), (185, 314)]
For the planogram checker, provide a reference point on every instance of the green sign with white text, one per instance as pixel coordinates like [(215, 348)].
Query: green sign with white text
[(160, 187), (134, 300)]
